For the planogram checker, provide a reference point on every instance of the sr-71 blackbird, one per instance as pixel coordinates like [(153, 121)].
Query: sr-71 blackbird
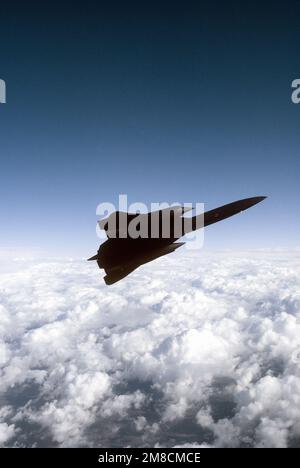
[(128, 247)]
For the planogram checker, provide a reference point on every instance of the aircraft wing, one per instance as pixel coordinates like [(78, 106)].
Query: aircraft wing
[(116, 224), (116, 273)]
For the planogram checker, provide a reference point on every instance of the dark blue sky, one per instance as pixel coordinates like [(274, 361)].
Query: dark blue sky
[(189, 101)]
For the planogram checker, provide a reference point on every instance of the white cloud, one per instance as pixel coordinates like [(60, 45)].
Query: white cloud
[(191, 350), (7, 431)]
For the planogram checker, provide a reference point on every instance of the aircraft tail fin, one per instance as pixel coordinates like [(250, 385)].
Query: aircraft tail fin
[(117, 273)]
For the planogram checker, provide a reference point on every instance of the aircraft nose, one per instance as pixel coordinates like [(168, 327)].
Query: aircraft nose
[(254, 200), (260, 199)]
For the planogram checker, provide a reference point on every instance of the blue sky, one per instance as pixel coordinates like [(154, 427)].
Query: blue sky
[(187, 102)]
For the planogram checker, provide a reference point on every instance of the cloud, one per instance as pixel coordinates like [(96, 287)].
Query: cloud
[(192, 350), (6, 431)]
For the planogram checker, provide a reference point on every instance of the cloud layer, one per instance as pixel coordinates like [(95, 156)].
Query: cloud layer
[(191, 350)]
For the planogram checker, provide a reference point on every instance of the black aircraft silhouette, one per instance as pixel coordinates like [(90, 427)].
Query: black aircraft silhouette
[(124, 251)]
